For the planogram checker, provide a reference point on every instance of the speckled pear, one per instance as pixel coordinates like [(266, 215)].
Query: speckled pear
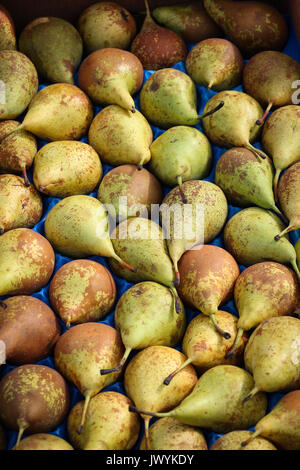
[(109, 424), (7, 30), (234, 439), (54, 46), (144, 376), (289, 198), (120, 137), (26, 262), (143, 323), (81, 352), (34, 398), (43, 442), (20, 205), (180, 154), (66, 168)]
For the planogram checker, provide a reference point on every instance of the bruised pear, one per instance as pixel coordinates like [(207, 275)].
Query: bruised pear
[(54, 46), (29, 329), (82, 291), (34, 399), (7, 30), (109, 424), (20, 78), (157, 47), (111, 76), (42, 441), (21, 205), (233, 441), (66, 168), (26, 262)]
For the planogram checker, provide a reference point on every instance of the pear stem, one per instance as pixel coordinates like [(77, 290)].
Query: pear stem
[(254, 435), (176, 299), (183, 196), (284, 232), (213, 111), (134, 409), (275, 184), (26, 180), (236, 343), (147, 440), (148, 12), (22, 427), (260, 121), (251, 394), (219, 330), (120, 366), (68, 325), (123, 263), (259, 153), (83, 416), (210, 85), (170, 377), (141, 164)]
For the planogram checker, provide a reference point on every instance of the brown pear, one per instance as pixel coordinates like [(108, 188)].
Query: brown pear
[(29, 329), (289, 198), (82, 352), (82, 291), (43, 441), (7, 30), (233, 440), (157, 47), (21, 205), (207, 277), (34, 399)]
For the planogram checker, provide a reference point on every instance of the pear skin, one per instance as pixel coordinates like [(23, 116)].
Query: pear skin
[(249, 237), (282, 424), (239, 20), (54, 46), (7, 31), (215, 402), (81, 352), (181, 152), (215, 63), (26, 262), (66, 168), (234, 439), (111, 76), (207, 278), (21, 205), (120, 137), (170, 434), (82, 291), (289, 197), (245, 180), (297, 249), (106, 24), (278, 139), (109, 424), (43, 442), (34, 398), (272, 355)]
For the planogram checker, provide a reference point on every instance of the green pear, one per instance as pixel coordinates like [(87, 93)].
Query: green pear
[(169, 98), (111, 76), (278, 138), (82, 291), (234, 439), (281, 425), (180, 154), (7, 31), (189, 20), (215, 402), (192, 213), (20, 80), (59, 112), (143, 323), (120, 137), (141, 242), (109, 424), (169, 434), (127, 191), (246, 181), (78, 227), (215, 63), (144, 376), (26, 262), (34, 398), (66, 168), (207, 277), (249, 236), (203, 346), (269, 77), (262, 291), (43, 442), (289, 198), (54, 46), (17, 150), (235, 124), (272, 355), (252, 26), (20, 205), (79, 354)]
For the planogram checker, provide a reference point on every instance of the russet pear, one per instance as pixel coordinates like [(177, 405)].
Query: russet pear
[(233, 440), (7, 31), (43, 441)]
